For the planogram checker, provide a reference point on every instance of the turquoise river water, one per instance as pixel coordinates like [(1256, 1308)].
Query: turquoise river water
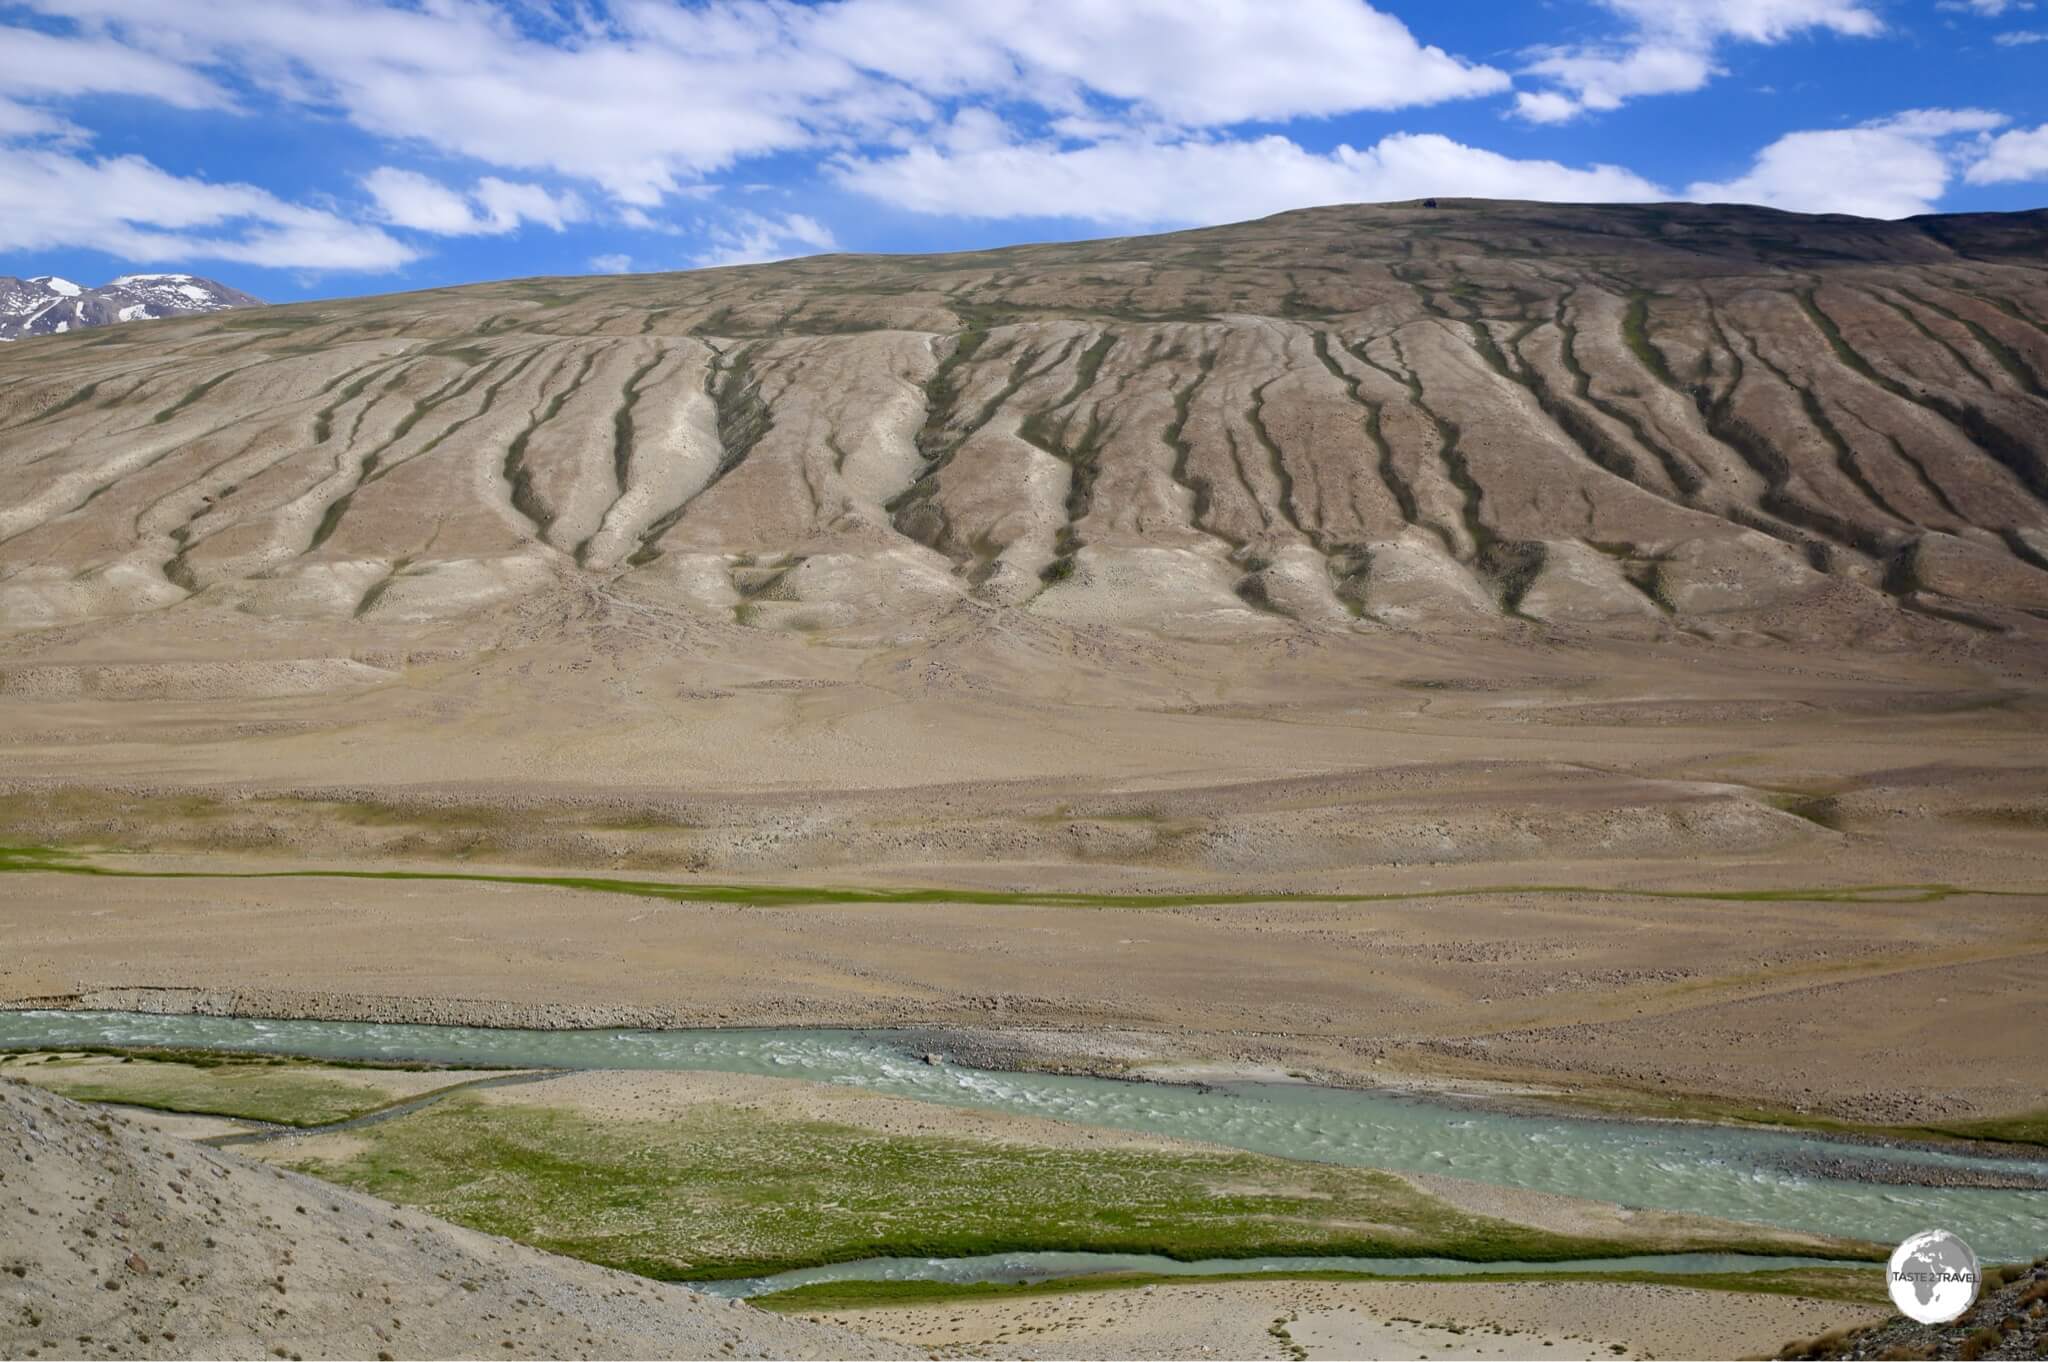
[(1761, 1176)]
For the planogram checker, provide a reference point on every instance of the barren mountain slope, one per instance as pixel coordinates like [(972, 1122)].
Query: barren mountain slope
[(1630, 420), (1364, 550), (118, 1242)]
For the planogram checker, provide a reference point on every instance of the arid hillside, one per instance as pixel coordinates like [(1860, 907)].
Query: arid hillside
[(1399, 552), (1730, 422), (122, 1241)]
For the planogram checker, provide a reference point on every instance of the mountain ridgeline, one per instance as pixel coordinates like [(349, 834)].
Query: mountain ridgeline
[(49, 306), (1474, 416)]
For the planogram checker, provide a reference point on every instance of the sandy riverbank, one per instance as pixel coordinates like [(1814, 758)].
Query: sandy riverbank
[(1365, 1320)]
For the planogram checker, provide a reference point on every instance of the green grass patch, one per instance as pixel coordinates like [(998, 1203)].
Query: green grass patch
[(2027, 1128), (1635, 333), (719, 1191), (53, 860), (193, 394), (209, 1059), (1858, 1285), (246, 1088), (79, 398)]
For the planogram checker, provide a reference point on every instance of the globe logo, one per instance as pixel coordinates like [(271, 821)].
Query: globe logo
[(1932, 1277)]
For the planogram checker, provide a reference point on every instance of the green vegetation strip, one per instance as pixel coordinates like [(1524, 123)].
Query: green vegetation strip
[(1857, 1285), (51, 860), (719, 1191), (252, 1088)]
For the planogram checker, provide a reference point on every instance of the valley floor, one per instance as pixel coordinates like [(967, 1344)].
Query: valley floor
[(1760, 988), (1006, 762), (1780, 886)]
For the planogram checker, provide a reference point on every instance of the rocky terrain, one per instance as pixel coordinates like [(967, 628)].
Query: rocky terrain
[(49, 306), (2009, 1320), (1478, 416), (116, 1241)]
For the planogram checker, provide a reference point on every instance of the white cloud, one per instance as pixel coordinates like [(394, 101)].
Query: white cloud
[(640, 220), (1192, 63), (659, 95), (1989, 9), (57, 196), (2021, 154), (2023, 37), (752, 239), (1670, 47), (38, 68), (19, 122), (1191, 182), (651, 97), (506, 205), (1755, 21), (612, 264), (34, 63), (1933, 123), (1599, 80), (1133, 113), (1892, 168), (1546, 106), (406, 198), (130, 208)]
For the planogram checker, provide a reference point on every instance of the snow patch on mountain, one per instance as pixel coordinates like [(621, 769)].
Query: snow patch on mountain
[(48, 305)]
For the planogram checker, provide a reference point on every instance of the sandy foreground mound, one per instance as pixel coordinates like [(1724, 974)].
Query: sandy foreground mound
[(116, 1241)]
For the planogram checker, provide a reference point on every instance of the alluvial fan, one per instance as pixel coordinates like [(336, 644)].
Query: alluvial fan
[(1476, 416)]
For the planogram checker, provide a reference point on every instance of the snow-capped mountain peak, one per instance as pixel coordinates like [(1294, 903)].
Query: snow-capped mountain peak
[(48, 305)]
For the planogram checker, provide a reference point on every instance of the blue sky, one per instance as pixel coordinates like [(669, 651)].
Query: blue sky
[(311, 148)]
